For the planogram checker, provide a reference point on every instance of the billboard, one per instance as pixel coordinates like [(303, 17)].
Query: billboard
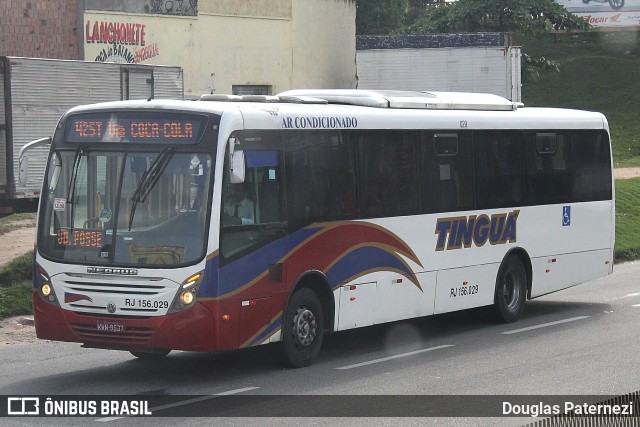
[(605, 14)]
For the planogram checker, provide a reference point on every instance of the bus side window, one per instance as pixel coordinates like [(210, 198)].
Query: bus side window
[(259, 200), (388, 173), (446, 171), (498, 168), (320, 177), (547, 168), (591, 178)]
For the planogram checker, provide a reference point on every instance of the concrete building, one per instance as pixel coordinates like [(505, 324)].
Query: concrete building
[(224, 46)]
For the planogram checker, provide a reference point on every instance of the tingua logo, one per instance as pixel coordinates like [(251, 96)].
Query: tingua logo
[(465, 231)]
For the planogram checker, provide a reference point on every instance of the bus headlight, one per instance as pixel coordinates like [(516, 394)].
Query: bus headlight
[(46, 290), (43, 284), (186, 296)]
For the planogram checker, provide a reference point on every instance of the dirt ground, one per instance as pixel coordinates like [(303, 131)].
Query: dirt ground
[(626, 173), (16, 243), (20, 329), (17, 330)]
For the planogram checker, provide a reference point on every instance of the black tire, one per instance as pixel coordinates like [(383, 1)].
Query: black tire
[(150, 354), (511, 290), (302, 329), (616, 4)]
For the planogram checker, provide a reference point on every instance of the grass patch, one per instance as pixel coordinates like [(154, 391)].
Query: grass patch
[(17, 271), (598, 72), (16, 287), (16, 221), (627, 219), (16, 300)]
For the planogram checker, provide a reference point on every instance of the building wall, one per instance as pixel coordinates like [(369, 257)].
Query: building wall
[(39, 28), (274, 44), (324, 44), (469, 62), (472, 69)]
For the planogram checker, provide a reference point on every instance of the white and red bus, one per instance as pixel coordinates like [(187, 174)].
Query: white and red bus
[(231, 222)]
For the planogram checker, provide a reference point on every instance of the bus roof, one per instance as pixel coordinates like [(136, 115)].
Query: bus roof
[(377, 110)]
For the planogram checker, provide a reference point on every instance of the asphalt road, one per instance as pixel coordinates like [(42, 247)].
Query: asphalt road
[(580, 341)]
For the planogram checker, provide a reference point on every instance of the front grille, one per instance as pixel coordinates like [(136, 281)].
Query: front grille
[(126, 286), (132, 335), (101, 293)]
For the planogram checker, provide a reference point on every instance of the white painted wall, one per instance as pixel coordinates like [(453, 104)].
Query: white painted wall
[(473, 69)]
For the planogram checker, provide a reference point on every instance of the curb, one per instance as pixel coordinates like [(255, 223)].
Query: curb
[(26, 321)]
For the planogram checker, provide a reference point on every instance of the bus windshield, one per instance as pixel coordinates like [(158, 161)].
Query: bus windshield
[(142, 208)]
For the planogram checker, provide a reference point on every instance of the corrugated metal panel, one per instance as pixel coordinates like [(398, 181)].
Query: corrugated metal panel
[(3, 162), (43, 90), (3, 139), (448, 69), (516, 73), (168, 83)]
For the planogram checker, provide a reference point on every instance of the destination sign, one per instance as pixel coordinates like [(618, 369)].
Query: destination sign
[(79, 237), (134, 127)]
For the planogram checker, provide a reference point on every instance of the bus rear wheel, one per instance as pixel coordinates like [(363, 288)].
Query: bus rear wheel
[(511, 290), (302, 329)]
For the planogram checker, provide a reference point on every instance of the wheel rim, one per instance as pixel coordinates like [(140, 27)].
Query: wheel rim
[(304, 327), (511, 290)]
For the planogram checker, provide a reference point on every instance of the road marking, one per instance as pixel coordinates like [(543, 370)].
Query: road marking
[(635, 305), (186, 402), (544, 325), (632, 295), (397, 356)]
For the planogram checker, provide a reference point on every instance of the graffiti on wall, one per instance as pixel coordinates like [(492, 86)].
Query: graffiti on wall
[(172, 7), (155, 7), (124, 41)]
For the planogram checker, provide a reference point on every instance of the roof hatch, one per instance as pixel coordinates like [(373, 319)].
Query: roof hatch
[(380, 99)]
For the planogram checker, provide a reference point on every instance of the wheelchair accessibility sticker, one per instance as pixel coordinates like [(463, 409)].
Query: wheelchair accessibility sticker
[(566, 216)]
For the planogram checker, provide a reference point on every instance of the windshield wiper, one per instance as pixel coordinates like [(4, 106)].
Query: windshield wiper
[(149, 180), (71, 192)]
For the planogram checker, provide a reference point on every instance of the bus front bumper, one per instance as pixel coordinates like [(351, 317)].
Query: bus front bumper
[(184, 330)]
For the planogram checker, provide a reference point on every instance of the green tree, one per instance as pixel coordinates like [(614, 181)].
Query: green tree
[(380, 16), (516, 16), (522, 17)]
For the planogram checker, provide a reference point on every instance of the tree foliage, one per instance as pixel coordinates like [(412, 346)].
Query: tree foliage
[(516, 16), (523, 17), (381, 16)]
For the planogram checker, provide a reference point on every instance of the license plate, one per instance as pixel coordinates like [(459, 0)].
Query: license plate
[(110, 326)]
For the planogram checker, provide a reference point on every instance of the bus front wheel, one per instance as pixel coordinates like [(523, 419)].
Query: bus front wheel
[(302, 329), (511, 290)]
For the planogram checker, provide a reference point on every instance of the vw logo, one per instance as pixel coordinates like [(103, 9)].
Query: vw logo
[(111, 307)]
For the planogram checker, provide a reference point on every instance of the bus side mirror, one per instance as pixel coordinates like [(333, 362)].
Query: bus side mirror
[(237, 167), (23, 169)]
